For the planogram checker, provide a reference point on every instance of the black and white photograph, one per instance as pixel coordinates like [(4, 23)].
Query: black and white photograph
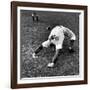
[(50, 45)]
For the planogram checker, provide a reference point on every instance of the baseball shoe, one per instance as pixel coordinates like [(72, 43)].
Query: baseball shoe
[(34, 55)]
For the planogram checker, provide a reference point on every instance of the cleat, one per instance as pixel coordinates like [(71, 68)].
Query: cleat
[(34, 55)]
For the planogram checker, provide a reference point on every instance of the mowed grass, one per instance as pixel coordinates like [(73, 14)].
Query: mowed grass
[(34, 33)]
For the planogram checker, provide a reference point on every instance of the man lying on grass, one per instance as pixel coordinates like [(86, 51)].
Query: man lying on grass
[(56, 37)]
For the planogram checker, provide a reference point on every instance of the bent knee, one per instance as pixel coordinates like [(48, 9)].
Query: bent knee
[(46, 43)]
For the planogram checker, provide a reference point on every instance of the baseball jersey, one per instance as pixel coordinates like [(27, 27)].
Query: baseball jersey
[(60, 31), (58, 34)]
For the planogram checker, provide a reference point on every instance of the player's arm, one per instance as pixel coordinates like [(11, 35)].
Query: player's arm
[(55, 55), (69, 32), (72, 39)]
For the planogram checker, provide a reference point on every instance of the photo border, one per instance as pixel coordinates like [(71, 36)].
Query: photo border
[(14, 38)]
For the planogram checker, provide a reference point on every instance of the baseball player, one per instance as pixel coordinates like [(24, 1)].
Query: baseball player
[(56, 37), (34, 16)]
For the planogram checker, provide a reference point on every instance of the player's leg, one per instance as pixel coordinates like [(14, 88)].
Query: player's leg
[(33, 18), (72, 40), (37, 51), (44, 44), (37, 18)]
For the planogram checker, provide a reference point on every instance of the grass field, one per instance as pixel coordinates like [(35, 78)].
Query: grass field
[(34, 33)]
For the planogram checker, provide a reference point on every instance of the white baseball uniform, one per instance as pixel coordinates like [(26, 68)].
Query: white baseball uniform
[(59, 33)]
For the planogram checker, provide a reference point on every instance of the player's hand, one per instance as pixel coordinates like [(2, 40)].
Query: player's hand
[(51, 64)]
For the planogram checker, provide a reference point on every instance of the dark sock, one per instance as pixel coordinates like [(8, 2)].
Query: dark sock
[(38, 49)]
